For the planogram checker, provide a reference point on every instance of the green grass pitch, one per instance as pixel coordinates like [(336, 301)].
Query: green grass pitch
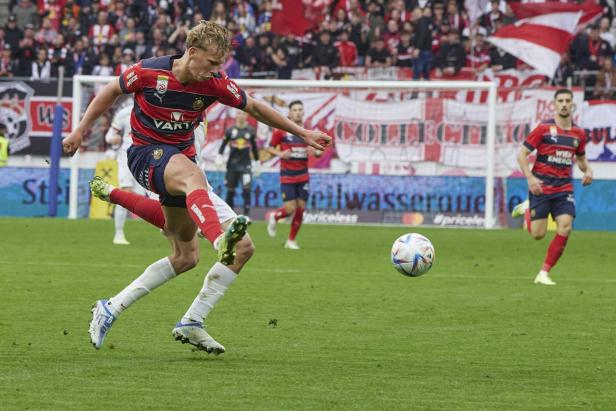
[(351, 333)]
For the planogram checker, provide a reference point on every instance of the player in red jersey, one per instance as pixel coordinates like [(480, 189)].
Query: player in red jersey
[(294, 177), (171, 93), (550, 182)]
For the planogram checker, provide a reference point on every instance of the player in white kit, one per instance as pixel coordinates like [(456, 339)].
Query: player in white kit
[(118, 136)]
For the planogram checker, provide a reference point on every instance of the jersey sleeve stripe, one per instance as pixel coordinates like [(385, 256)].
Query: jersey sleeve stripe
[(243, 101), (123, 85), (528, 145)]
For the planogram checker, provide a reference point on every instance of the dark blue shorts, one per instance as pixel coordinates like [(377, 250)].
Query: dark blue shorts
[(556, 204), (147, 164), (294, 191)]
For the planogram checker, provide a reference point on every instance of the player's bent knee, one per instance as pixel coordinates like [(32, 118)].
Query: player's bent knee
[(538, 235), (185, 262)]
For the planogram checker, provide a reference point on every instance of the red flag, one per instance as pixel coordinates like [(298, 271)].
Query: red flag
[(544, 32), (591, 11), (289, 17)]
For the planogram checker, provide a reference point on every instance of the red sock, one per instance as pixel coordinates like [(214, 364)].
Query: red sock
[(555, 250), (144, 207), (280, 213), (202, 211), (296, 223), (527, 219)]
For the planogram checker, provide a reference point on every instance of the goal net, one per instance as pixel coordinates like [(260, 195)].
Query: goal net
[(404, 152)]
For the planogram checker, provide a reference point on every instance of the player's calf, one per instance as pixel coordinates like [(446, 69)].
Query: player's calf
[(227, 242), (244, 250)]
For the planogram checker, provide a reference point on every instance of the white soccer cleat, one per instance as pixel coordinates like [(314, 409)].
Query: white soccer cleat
[(120, 240), (291, 245), (195, 334), (100, 188), (271, 225), (520, 209), (102, 320), (543, 278)]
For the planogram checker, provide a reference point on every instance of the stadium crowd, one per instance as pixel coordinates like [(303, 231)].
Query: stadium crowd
[(104, 37)]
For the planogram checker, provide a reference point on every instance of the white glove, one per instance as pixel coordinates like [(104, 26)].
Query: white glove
[(256, 168), (218, 162)]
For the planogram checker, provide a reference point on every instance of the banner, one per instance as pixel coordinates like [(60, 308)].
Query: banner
[(343, 198), (600, 124), (27, 109), (25, 192)]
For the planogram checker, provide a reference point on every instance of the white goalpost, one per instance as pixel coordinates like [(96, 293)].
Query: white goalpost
[(83, 87)]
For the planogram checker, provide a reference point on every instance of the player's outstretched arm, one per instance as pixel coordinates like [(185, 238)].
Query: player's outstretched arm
[(265, 114), (101, 103), (583, 165), (534, 184)]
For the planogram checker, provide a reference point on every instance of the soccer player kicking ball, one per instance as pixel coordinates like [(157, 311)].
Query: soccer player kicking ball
[(550, 184), (171, 93), (294, 177)]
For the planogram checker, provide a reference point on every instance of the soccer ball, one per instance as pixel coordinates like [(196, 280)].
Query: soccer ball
[(412, 254)]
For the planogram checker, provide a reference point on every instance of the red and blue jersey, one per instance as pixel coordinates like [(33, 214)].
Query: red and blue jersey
[(167, 111), (295, 169), (556, 148)]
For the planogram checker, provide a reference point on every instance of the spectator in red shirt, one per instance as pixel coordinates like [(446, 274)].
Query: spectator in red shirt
[(454, 17), (438, 15), (478, 57), (346, 50), (101, 32), (489, 19), (392, 36), (52, 9)]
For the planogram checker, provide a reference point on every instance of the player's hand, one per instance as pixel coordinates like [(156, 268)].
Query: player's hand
[(534, 185), (218, 161), (285, 155), (587, 178), (317, 139), (71, 144)]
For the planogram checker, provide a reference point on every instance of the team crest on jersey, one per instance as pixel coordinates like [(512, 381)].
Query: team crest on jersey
[(161, 84), (576, 143), (157, 154), (553, 131), (198, 104)]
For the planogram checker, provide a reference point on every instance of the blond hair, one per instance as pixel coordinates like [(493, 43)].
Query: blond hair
[(208, 34)]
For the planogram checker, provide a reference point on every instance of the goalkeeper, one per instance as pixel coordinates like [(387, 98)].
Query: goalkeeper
[(242, 139)]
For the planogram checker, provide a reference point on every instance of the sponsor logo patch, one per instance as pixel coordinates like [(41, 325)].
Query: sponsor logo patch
[(157, 154)]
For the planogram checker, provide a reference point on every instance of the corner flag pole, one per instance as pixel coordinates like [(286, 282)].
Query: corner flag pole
[(55, 150)]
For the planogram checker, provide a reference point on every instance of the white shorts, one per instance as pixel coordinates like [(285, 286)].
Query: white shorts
[(225, 213), (125, 177)]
